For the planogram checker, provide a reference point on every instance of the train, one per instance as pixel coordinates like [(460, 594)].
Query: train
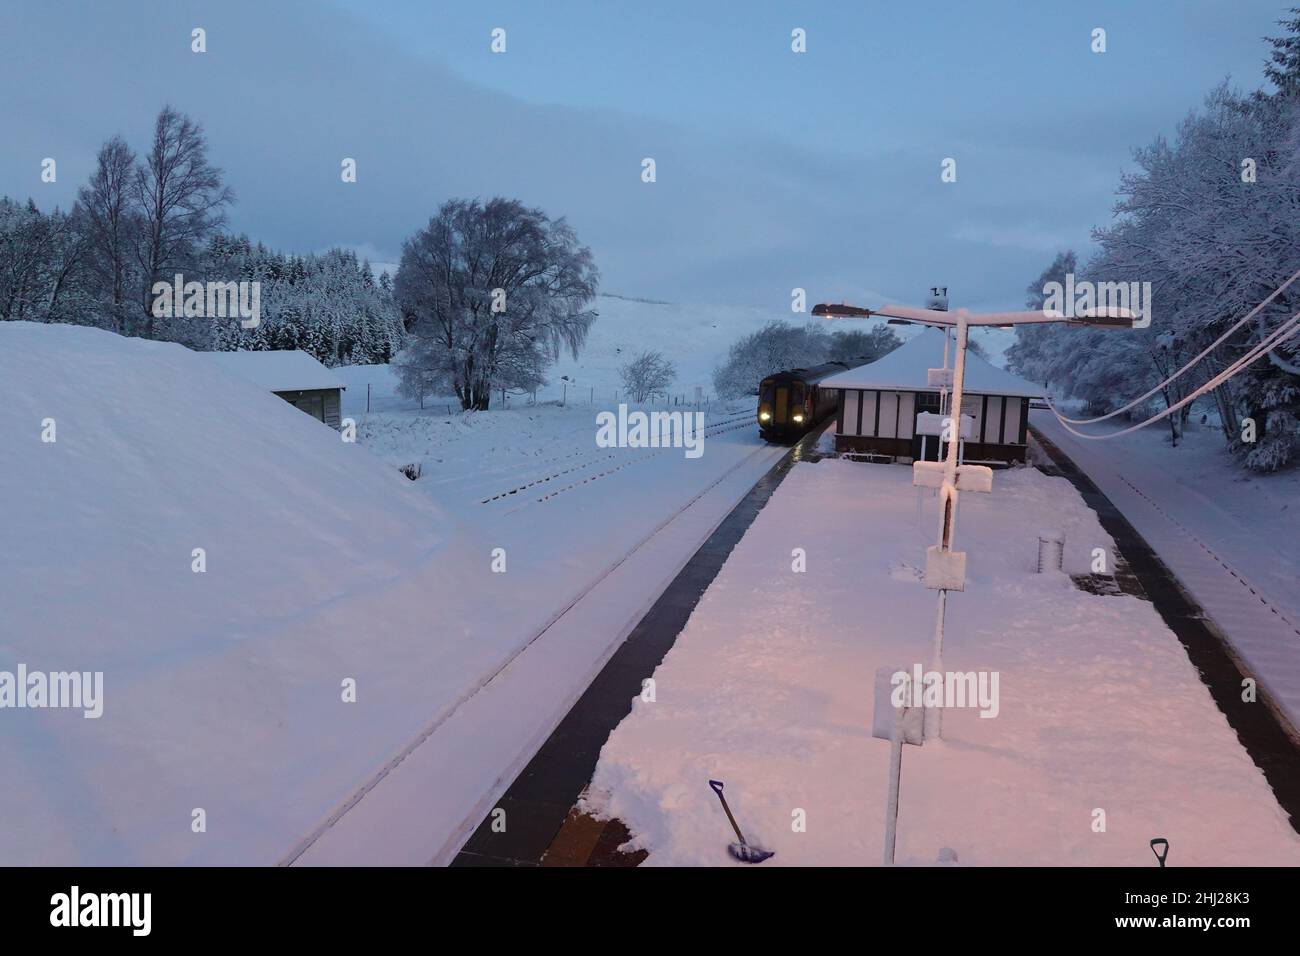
[(790, 403)]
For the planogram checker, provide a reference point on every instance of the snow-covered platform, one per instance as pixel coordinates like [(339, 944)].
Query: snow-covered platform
[(1101, 719), (1232, 539)]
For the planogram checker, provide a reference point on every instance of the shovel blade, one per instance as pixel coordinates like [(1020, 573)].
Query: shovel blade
[(748, 854)]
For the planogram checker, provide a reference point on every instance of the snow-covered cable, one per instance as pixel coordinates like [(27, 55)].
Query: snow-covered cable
[(1213, 345), (1287, 329)]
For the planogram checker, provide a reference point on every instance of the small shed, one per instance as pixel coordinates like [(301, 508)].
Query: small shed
[(294, 375), (886, 407)]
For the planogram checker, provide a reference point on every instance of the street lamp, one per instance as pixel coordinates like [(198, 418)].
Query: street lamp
[(945, 569)]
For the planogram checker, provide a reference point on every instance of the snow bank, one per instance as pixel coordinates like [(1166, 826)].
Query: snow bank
[(769, 689), (159, 452)]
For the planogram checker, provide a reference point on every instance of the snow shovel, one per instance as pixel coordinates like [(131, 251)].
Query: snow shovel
[(1163, 844), (741, 851)]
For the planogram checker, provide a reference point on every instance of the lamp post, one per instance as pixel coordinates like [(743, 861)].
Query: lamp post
[(945, 569)]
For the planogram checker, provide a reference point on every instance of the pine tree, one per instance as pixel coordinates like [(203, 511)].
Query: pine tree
[(1283, 67)]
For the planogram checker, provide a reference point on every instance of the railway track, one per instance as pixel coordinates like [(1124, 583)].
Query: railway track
[(523, 469), (450, 709), (609, 471), (731, 423)]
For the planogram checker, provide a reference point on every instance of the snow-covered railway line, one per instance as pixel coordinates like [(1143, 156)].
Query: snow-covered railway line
[(1256, 593), (439, 777), (522, 468), (593, 460), (617, 468), (522, 465)]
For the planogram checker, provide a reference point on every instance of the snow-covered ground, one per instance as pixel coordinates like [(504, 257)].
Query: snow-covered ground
[(1231, 537), (769, 689), (223, 690)]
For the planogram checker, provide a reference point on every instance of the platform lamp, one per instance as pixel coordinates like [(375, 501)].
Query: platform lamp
[(945, 569)]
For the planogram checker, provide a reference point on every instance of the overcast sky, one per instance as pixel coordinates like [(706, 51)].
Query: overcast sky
[(819, 170)]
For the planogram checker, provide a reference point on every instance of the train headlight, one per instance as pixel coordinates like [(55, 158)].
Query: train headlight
[(764, 416), (797, 417)]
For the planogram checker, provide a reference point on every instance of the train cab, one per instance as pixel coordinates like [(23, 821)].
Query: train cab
[(790, 403)]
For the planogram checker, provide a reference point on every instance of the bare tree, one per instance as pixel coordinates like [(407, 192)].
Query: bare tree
[(490, 293), (180, 198), (110, 224), (648, 373)]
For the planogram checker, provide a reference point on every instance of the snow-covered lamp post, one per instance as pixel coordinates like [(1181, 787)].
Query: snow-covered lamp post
[(945, 569)]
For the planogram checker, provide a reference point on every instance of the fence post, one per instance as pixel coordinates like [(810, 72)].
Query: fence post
[(367, 398)]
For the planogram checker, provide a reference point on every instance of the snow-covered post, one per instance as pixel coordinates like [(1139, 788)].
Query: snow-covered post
[(948, 504), (894, 718), (944, 407), (891, 801)]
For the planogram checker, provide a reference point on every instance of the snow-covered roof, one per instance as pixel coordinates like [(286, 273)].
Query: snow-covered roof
[(283, 371), (906, 369)]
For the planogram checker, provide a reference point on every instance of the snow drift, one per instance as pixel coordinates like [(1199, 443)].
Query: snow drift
[(157, 452)]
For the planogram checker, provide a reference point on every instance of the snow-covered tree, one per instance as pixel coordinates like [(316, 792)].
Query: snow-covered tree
[(1283, 68), (43, 276), (329, 305), (1036, 345), (1211, 219), (491, 292), (647, 374), (774, 348), (857, 347)]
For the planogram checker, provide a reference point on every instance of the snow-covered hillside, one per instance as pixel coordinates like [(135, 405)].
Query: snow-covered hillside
[(695, 337)]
